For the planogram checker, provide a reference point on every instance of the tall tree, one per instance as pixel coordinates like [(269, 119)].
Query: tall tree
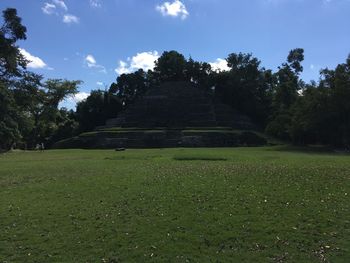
[(130, 86), (199, 73), (11, 59), (9, 130), (246, 87), (285, 94), (171, 66), (96, 109), (11, 65)]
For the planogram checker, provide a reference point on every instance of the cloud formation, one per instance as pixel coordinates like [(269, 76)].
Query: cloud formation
[(59, 8), (174, 9), (34, 62), (60, 4), (144, 60), (48, 8), (80, 96), (219, 65), (69, 19), (90, 62), (95, 3)]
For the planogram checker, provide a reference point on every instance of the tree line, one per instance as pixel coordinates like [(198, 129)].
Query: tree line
[(279, 102), (29, 112)]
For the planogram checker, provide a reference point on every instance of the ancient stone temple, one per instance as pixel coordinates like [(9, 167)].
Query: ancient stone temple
[(176, 114), (179, 105)]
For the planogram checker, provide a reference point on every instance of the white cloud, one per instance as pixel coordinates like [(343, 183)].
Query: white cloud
[(91, 63), (59, 8), (123, 68), (80, 96), (71, 102), (48, 8), (60, 4), (34, 62), (68, 19), (95, 3), (99, 83), (174, 9), (51, 8), (219, 65), (144, 60)]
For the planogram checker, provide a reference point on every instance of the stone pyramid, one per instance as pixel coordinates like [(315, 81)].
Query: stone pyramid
[(176, 114), (179, 105)]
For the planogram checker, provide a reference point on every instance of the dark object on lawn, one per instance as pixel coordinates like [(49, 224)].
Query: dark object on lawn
[(120, 149)]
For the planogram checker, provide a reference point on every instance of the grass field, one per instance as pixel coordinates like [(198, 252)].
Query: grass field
[(175, 205)]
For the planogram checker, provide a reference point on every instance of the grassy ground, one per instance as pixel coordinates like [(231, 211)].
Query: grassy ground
[(174, 205)]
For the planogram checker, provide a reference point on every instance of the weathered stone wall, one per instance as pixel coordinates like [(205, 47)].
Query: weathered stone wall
[(163, 139)]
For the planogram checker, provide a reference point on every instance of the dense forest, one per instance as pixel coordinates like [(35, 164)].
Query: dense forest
[(280, 102)]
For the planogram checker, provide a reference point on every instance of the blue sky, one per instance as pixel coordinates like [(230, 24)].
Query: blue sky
[(95, 40)]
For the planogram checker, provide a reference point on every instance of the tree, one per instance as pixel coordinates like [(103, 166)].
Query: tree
[(198, 73), (285, 94), (9, 130), (130, 86), (311, 118), (67, 126), (11, 63), (11, 59), (171, 66), (96, 109), (337, 82), (246, 87), (46, 114), (58, 90)]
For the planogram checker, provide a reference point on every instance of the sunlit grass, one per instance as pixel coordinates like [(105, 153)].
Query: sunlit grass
[(175, 205)]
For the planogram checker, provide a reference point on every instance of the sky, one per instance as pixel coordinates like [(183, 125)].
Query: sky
[(96, 40)]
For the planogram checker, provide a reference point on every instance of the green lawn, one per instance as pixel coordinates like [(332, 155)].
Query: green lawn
[(174, 205)]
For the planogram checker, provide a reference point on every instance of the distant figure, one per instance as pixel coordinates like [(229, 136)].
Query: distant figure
[(42, 147)]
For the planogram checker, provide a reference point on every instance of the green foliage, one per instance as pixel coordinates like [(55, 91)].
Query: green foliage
[(11, 60), (96, 109), (322, 114), (130, 86), (285, 94), (171, 66), (11, 65), (246, 87), (260, 205), (28, 108), (199, 73), (295, 57), (9, 130), (57, 90)]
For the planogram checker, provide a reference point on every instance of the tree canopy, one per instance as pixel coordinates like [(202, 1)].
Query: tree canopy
[(29, 111)]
